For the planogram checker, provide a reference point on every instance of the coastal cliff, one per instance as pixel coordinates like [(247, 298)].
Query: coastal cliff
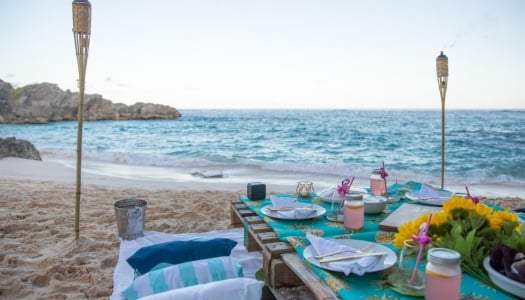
[(46, 102)]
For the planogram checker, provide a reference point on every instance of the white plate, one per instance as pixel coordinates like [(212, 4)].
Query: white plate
[(436, 201), (512, 286), (316, 212), (386, 263), (330, 195)]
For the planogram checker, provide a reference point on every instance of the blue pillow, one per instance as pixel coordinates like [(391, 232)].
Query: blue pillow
[(177, 252)]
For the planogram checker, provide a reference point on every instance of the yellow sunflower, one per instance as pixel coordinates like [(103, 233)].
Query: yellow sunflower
[(409, 228), (506, 216), (439, 218), (483, 210), (498, 218), (458, 203)]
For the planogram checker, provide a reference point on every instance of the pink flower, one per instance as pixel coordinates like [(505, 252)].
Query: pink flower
[(422, 237), (344, 188)]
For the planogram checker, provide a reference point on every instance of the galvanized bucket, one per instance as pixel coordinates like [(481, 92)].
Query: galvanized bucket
[(130, 214)]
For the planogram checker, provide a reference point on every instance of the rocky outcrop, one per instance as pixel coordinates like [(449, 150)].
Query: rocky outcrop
[(18, 148), (46, 102)]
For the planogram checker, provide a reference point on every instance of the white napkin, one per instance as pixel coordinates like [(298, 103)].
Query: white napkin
[(427, 192), (291, 214), (357, 266)]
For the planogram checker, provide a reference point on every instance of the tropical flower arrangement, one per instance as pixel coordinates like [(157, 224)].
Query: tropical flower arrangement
[(469, 227)]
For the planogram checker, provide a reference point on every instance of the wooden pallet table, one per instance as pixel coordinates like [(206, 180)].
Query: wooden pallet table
[(286, 275)]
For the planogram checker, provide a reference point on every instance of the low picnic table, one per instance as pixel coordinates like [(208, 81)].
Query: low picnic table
[(282, 243)]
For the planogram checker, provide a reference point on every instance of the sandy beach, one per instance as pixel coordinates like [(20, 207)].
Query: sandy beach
[(40, 257)]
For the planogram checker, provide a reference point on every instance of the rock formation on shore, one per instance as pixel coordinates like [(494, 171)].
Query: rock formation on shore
[(46, 102), (18, 148)]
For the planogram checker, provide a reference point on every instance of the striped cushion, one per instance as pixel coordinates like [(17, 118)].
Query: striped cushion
[(228, 289), (183, 275)]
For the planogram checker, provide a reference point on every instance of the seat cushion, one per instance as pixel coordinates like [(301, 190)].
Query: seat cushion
[(229, 289), (183, 275), (177, 252)]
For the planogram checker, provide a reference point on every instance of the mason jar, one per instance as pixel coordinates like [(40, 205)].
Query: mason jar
[(354, 211), (377, 183), (443, 274)]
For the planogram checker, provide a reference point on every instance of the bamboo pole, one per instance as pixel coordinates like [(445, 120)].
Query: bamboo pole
[(81, 33)]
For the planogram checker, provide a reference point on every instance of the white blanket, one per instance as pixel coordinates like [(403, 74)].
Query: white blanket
[(124, 275)]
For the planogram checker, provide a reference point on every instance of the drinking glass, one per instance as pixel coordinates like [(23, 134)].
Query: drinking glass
[(407, 263)]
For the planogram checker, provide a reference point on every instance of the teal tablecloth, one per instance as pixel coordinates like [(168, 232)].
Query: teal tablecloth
[(372, 285)]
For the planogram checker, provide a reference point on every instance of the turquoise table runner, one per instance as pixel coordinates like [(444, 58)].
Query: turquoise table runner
[(321, 226), (371, 285)]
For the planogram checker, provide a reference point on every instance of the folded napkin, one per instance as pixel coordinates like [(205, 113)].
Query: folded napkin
[(427, 192), (357, 266), (278, 202), (331, 194)]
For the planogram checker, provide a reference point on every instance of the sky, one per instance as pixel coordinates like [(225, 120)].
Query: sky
[(306, 54)]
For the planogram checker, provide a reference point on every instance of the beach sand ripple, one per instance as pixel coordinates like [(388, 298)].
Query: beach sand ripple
[(40, 257)]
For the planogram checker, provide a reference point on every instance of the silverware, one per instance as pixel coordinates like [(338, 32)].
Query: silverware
[(327, 260), (287, 208), (364, 250)]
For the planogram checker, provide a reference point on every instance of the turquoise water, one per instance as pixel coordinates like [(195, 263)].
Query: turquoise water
[(482, 146)]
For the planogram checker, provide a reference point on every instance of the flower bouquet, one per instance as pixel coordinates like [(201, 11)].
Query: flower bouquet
[(469, 227)]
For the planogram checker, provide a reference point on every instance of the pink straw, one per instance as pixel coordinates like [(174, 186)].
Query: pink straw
[(422, 239), (346, 189), (468, 193), (474, 199), (384, 174)]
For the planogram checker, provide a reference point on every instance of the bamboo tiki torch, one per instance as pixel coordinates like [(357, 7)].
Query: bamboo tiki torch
[(81, 32), (442, 77)]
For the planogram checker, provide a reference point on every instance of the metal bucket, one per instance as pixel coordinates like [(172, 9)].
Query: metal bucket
[(130, 215)]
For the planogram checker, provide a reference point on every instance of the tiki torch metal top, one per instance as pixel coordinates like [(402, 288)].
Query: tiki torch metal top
[(82, 16)]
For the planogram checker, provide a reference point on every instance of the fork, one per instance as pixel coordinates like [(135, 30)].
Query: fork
[(364, 250), (327, 260)]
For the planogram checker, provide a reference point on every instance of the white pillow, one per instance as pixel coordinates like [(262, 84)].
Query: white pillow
[(228, 289), (183, 275)]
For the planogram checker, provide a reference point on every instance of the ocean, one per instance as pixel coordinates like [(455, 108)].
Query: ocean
[(482, 146)]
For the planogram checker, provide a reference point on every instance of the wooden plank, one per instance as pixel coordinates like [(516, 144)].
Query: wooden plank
[(246, 212), (276, 249), (404, 213), (260, 227), (251, 240), (264, 238), (238, 212), (253, 219), (236, 200), (288, 293), (318, 288), (269, 254), (282, 275), (236, 217), (267, 237)]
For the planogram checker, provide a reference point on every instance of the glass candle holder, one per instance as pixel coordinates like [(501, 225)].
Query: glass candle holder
[(304, 188)]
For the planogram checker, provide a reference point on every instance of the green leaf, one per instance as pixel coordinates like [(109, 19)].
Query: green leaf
[(259, 275)]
